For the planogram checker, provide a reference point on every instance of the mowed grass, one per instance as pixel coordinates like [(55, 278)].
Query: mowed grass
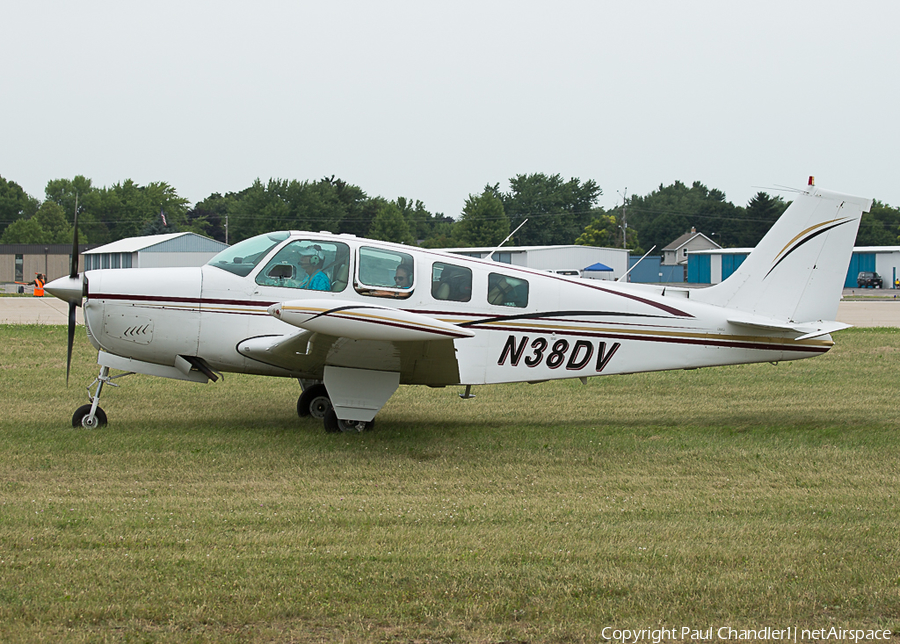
[(741, 496)]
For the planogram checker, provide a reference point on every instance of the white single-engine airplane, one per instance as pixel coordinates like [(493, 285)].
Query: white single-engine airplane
[(352, 318)]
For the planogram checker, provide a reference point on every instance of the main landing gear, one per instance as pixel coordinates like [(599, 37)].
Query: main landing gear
[(333, 424), (314, 402), (92, 415)]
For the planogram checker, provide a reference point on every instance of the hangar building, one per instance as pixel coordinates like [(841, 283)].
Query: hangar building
[(154, 251), (20, 262), (713, 266), (565, 260)]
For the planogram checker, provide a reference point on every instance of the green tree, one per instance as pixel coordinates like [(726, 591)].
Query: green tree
[(52, 219), (47, 226), (24, 231), (390, 225), (80, 190), (422, 222), (162, 197), (670, 211), (761, 212), (557, 211), (209, 217), (328, 204), (130, 210), (442, 235), (15, 204), (483, 221), (880, 226), (602, 231)]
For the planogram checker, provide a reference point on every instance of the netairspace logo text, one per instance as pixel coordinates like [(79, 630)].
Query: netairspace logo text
[(726, 633)]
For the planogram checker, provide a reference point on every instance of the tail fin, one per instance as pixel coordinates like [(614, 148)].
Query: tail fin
[(796, 273)]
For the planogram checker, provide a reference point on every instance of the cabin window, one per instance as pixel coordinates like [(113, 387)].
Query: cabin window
[(451, 282), (504, 290), (308, 264), (385, 273), (20, 268), (243, 257)]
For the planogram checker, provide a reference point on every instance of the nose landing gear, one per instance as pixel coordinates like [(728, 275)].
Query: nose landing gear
[(91, 415)]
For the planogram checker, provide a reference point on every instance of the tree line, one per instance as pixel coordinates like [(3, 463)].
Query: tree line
[(559, 211)]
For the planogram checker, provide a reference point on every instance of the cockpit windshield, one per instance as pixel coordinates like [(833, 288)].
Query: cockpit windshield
[(241, 258)]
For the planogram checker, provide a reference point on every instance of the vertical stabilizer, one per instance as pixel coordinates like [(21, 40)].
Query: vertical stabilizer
[(797, 271)]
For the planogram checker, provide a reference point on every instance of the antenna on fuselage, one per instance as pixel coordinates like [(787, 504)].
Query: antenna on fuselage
[(491, 254), (635, 264)]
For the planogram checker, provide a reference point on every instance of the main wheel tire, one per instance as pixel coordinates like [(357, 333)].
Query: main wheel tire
[(314, 401), (81, 418), (333, 424)]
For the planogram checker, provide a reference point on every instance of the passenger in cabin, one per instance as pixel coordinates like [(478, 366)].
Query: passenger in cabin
[(403, 276), (311, 259)]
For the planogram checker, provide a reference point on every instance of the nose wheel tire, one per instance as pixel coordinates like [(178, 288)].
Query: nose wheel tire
[(82, 417), (333, 424), (314, 401)]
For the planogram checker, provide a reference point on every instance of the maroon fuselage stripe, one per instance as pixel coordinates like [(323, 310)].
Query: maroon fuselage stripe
[(733, 344)]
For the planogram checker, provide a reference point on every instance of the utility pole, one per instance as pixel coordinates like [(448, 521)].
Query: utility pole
[(624, 225)]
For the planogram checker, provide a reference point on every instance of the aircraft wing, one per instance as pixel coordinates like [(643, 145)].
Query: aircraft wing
[(365, 321), (358, 336)]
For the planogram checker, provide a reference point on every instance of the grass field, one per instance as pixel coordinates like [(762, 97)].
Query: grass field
[(744, 496)]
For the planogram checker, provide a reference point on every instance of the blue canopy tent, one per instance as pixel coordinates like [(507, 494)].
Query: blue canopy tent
[(597, 271)]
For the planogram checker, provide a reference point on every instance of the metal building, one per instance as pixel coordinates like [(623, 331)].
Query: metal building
[(20, 262), (153, 251), (713, 266), (565, 260)]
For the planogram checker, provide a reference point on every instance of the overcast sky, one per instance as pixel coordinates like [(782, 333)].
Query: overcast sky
[(433, 100)]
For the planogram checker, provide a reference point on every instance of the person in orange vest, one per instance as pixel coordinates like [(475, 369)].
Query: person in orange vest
[(38, 283)]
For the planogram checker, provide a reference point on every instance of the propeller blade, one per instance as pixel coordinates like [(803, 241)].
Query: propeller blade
[(72, 303), (72, 306), (74, 271)]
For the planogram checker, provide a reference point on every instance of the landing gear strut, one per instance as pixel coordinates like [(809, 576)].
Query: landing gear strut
[(91, 416)]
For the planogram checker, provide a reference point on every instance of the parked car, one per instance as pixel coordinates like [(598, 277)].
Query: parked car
[(868, 279)]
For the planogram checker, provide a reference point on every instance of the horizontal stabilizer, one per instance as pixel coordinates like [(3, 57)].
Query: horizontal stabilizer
[(806, 330), (365, 321)]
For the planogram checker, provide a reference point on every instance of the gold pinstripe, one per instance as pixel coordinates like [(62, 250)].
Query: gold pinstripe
[(801, 234)]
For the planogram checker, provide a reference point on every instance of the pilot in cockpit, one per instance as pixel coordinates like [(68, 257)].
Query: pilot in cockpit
[(310, 261)]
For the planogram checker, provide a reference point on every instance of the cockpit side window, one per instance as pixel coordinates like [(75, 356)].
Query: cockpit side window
[(385, 273), (451, 282), (504, 290), (308, 264)]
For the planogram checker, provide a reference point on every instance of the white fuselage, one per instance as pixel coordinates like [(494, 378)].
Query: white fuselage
[(562, 328)]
